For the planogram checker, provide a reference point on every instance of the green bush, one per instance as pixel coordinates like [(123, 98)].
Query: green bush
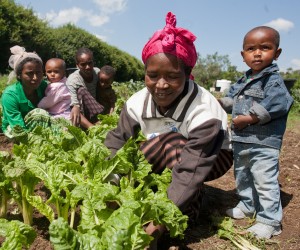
[(20, 26)]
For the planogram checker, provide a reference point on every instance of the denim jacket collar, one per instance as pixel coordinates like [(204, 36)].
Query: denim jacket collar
[(270, 69)]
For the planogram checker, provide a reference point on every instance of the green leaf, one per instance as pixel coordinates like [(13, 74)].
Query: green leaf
[(17, 234), (62, 237), (123, 230)]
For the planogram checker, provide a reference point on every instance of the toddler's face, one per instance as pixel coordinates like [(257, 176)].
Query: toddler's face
[(105, 80), (259, 50), (54, 71)]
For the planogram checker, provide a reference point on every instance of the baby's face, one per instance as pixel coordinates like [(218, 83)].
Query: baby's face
[(105, 80), (54, 71)]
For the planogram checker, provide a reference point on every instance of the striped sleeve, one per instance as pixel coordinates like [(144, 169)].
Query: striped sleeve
[(197, 159), (126, 128)]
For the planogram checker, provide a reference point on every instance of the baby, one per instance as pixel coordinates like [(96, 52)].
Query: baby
[(57, 100)]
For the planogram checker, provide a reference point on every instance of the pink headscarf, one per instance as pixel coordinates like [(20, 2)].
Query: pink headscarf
[(172, 40)]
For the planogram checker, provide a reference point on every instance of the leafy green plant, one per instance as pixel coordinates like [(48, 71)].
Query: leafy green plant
[(75, 166), (226, 230), (5, 184), (17, 234), (24, 182)]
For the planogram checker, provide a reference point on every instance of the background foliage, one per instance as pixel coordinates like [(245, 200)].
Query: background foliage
[(20, 26)]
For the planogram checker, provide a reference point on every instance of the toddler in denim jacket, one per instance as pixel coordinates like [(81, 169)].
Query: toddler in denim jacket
[(259, 103)]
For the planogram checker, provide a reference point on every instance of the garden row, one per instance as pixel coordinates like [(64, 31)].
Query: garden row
[(75, 167)]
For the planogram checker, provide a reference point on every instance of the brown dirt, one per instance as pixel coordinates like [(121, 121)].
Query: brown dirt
[(220, 195)]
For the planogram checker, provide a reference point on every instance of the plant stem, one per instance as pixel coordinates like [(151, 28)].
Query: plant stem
[(72, 218), (3, 208)]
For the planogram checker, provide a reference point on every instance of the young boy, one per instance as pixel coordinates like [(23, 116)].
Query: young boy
[(57, 98), (259, 103), (106, 96)]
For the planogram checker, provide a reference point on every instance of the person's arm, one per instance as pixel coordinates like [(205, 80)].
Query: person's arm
[(113, 101), (126, 128), (73, 83), (11, 111), (276, 103), (85, 123), (242, 121), (227, 101), (75, 115), (197, 159)]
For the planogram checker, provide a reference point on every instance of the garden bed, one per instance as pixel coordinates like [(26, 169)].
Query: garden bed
[(220, 195)]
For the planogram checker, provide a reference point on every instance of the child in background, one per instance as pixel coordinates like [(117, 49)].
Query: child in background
[(57, 98), (259, 103), (106, 96), (82, 85)]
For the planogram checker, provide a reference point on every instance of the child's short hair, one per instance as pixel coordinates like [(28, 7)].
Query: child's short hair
[(275, 33), (108, 70)]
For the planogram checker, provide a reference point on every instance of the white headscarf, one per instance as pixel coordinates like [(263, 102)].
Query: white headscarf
[(18, 55)]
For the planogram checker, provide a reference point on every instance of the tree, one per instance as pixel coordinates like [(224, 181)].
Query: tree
[(212, 68), (20, 26)]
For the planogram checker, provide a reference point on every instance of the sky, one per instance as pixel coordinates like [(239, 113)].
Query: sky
[(219, 25)]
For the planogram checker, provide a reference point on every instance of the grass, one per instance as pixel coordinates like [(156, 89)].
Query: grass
[(293, 120)]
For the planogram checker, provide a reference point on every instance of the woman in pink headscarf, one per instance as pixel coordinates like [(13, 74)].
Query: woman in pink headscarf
[(185, 127)]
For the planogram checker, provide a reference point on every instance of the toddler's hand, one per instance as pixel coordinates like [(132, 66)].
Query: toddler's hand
[(240, 122)]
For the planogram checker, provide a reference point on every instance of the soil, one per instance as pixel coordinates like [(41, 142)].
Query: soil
[(219, 195)]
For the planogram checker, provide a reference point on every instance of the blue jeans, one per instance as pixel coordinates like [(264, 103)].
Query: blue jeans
[(256, 169)]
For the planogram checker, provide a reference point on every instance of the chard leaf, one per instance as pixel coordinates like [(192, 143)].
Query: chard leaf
[(161, 210), (37, 202), (73, 138), (94, 209), (99, 131), (63, 237), (17, 234), (123, 230)]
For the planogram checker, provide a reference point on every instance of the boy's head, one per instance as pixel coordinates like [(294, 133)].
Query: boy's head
[(55, 69), (106, 76), (260, 48)]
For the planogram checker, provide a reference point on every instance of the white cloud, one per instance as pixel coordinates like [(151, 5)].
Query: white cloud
[(111, 6), (75, 15), (281, 24), (97, 21), (72, 15), (296, 63)]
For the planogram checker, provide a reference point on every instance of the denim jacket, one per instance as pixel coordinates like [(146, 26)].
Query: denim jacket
[(265, 96)]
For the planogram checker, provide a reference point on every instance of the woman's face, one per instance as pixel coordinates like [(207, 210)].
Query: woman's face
[(165, 79), (85, 64), (31, 76)]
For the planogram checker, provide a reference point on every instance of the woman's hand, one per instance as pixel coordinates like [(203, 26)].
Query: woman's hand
[(75, 115), (155, 232)]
